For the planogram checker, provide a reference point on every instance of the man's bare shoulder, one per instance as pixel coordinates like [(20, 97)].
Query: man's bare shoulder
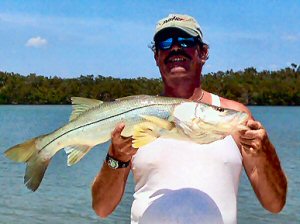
[(234, 105)]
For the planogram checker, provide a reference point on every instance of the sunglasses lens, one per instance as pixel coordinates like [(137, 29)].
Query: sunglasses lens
[(186, 42), (166, 44)]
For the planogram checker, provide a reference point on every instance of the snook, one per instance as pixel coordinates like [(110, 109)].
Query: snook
[(91, 123)]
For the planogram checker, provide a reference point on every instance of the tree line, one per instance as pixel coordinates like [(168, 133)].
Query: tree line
[(250, 87)]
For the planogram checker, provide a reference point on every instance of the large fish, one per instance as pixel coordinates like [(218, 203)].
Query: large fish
[(92, 122)]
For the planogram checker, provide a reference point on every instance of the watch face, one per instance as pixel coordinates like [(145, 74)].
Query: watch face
[(113, 163)]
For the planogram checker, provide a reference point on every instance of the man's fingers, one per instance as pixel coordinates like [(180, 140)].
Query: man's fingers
[(248, 135), (254, 125), (248, 149), (118, 129)]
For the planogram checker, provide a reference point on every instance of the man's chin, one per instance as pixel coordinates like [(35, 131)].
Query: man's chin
[(178, 70)]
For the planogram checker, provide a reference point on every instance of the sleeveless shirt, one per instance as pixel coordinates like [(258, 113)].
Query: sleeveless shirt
[(179, 181)]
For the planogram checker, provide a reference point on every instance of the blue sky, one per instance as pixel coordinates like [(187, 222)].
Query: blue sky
[(110, 38)]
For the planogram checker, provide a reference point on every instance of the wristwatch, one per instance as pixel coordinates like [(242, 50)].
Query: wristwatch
[(114, 163)]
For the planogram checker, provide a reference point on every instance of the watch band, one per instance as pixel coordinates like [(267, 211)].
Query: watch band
[(114, 163)]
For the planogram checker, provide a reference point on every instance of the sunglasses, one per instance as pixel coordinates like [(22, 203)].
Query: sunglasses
[(184, 42)]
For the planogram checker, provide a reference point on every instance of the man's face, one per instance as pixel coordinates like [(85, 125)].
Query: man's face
[(178, 64)]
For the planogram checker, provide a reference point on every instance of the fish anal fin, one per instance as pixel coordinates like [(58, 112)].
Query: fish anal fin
[(81, 104), (76, 152)]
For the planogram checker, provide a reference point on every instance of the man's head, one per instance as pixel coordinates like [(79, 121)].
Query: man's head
[(185, 23), (179, 52)]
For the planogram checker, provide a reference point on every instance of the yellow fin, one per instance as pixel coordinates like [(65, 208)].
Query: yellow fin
[(162, 123), (27, 152), (144, 133), (76, 152), (132, 97), (22, 152), (127, 131), (81, 104)]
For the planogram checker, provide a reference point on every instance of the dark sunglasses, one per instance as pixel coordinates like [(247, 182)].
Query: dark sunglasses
[(183, 42)]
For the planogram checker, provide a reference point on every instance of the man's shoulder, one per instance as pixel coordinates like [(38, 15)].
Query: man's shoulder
[(234, 105)]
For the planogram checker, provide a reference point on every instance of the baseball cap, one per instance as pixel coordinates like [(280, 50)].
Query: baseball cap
[(182, 22)]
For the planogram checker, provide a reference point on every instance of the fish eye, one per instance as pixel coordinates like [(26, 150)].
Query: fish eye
[(220, 109)]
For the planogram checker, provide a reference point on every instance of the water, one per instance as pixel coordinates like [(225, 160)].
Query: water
[(64, 195)]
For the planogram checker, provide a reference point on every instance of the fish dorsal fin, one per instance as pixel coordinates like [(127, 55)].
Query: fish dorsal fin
[(81, 104), (132, 97)]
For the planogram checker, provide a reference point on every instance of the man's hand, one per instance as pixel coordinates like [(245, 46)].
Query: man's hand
[(121, 147), (254, 141)]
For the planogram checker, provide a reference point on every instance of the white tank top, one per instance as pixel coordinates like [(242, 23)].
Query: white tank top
[(184, 182)]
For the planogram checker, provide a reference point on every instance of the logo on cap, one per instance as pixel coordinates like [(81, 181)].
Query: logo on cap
[(176, 18)]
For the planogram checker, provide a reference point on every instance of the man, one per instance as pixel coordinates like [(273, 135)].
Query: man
[(180, 181)]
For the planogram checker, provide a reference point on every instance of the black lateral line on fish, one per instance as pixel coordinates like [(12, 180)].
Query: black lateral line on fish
[(94, 122)]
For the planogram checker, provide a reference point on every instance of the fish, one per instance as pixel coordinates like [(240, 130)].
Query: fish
[(146, 118), (91, 123)]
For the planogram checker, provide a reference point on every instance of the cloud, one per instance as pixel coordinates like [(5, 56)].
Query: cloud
[(291, 37), (18, 19), (36, 42)]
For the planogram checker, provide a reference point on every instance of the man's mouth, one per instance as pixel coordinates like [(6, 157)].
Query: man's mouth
[(176, 59)]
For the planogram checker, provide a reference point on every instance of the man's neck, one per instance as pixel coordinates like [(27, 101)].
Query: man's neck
[(182, 92)]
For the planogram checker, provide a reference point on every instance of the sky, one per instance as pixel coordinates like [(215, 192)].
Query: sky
[(69, 38)]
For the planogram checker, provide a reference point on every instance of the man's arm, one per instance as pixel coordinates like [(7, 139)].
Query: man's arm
[(263, 167), (261, 162), (109, 185)]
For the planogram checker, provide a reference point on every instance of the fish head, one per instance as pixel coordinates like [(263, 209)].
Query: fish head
[(188, 111)]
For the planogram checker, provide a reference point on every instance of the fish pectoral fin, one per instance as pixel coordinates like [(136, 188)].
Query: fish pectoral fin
[(76, 152), (81, 104), (162, 123), (144, 133)]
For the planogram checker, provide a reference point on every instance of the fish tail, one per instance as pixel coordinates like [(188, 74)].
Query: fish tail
[(35, 170), (22, 152), (28, 152)]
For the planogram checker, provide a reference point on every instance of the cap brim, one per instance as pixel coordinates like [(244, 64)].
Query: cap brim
[(184, 29)]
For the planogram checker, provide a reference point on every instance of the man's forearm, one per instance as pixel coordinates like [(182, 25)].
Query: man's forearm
[(108, 188), (269, 180)]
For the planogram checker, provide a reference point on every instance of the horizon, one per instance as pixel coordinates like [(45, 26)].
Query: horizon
[(68, 39)]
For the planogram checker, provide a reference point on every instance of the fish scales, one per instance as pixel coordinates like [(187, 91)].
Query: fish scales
[(108, 115)]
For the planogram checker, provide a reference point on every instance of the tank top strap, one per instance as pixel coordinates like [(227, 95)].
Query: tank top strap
[(215, 100)]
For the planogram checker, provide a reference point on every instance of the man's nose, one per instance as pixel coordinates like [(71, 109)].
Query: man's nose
[(176, 46)]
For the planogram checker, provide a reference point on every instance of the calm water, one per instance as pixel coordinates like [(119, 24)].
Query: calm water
[(64, 195)]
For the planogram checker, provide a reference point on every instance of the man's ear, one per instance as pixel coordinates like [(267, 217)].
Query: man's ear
[(203, 53)]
